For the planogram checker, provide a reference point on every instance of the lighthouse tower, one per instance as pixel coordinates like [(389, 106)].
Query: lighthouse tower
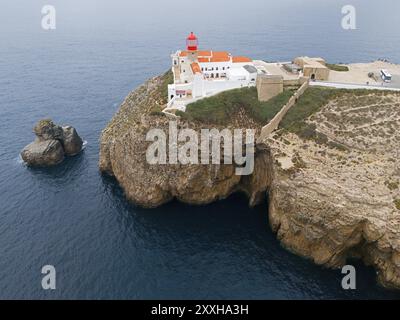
[(192, 45)]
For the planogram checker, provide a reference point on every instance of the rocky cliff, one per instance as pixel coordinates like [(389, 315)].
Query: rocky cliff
[(335, 194), (333, 189), (123, 155)]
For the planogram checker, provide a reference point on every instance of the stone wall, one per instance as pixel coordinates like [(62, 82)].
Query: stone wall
[(321, 74), (274, 123), (269, 86)]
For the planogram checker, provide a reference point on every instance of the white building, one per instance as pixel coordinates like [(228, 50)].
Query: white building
[(199, 74)]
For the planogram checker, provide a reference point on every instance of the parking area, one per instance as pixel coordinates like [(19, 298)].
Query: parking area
[(395, 81), (358, 74)]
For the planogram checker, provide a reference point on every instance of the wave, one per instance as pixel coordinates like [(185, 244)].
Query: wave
[(19, 160), (85, 143)]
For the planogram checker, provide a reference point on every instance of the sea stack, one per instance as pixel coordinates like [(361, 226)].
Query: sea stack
[(51, 145)]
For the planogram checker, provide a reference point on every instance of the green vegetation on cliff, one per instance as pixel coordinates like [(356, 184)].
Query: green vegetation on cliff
[(317, 97), (392, 185), (167, 78), (148, 99), (161, 95), (397, 203), (220, 108), (309, 103), (337, 67)]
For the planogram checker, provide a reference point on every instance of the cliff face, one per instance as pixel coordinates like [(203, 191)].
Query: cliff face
[(123, 155), (335, 197), (330, 198)]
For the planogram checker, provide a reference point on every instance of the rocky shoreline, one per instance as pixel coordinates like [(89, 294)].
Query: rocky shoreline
[(329, 198)]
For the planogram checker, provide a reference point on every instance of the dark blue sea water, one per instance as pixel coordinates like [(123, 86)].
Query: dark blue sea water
[(75, 219)]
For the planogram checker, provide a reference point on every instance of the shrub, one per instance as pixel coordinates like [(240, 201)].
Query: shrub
[(156, 110), (306, 131), (338, 146), (397, 203), (337, 67), (220, 108), (392, 185), (309, 103)]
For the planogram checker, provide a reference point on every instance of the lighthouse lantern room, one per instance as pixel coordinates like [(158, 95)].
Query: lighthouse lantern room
[(192, 43)]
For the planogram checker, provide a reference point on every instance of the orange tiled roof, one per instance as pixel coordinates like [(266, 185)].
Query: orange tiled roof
[(219, 59), (220, 56), (241, 59), (204, 54), (202, 60), (195, 67), (217, 56)]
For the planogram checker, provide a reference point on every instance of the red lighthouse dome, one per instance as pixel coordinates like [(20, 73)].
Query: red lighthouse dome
[(192, 42)]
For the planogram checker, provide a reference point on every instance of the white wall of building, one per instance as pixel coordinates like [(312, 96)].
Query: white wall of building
[(216, 77), (212, 87), (215, 69), (179, 90), (198, 86)]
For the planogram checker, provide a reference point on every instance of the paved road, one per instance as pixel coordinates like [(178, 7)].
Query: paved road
[(351, 86)]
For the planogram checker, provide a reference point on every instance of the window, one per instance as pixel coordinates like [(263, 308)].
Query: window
[(216, 68)]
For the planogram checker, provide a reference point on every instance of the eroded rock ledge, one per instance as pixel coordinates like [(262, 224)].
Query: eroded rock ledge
[(336, 196), (330, 198)]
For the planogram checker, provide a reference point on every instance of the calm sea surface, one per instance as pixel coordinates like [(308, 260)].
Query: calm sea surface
[(75, 219)]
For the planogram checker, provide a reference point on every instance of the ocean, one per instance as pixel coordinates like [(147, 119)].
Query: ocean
[(72, 217)]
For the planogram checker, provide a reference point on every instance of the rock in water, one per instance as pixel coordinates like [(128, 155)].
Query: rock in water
[(43, 153), (47, 130), (51, 144), (71, 141)]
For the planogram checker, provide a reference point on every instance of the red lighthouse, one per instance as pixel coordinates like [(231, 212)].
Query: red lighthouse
[(192, 42)]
